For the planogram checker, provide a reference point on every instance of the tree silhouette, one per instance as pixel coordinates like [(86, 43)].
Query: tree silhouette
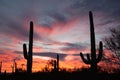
[(113, 42), (93, 59)]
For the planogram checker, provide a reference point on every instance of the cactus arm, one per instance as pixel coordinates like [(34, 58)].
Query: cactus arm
[(30, 52), (88, 57), (84, 60), (25, 51), (100, 52)]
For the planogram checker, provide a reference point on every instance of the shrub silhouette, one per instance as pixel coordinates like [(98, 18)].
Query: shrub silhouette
[(93, 59), (28, 53)]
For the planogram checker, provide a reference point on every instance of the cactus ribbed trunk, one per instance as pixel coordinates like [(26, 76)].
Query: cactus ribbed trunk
[(93, 48), (28, 54), (93, 59), (92, 34), (93, 67)]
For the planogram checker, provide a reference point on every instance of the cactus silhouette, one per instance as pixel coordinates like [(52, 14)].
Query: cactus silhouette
[(54, 64), (93, 59), (15, 65), (57, 64), (12, 68), (0, 66), (28, 53)]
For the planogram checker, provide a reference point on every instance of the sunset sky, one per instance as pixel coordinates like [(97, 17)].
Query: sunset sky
[(60, 26)]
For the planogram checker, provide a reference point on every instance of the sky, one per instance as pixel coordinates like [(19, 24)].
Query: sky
[(60, 27)]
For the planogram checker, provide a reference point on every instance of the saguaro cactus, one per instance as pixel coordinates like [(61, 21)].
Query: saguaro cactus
[(54, 65), (15, 66), (57, 65), (28, 53), (94, 58), (0, 66)]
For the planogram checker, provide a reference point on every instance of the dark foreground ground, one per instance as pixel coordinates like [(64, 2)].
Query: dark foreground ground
[(60, 76)]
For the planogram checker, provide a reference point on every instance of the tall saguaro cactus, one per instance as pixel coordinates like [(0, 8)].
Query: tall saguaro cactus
[(94, 58), (28, 53), (0, 66)]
